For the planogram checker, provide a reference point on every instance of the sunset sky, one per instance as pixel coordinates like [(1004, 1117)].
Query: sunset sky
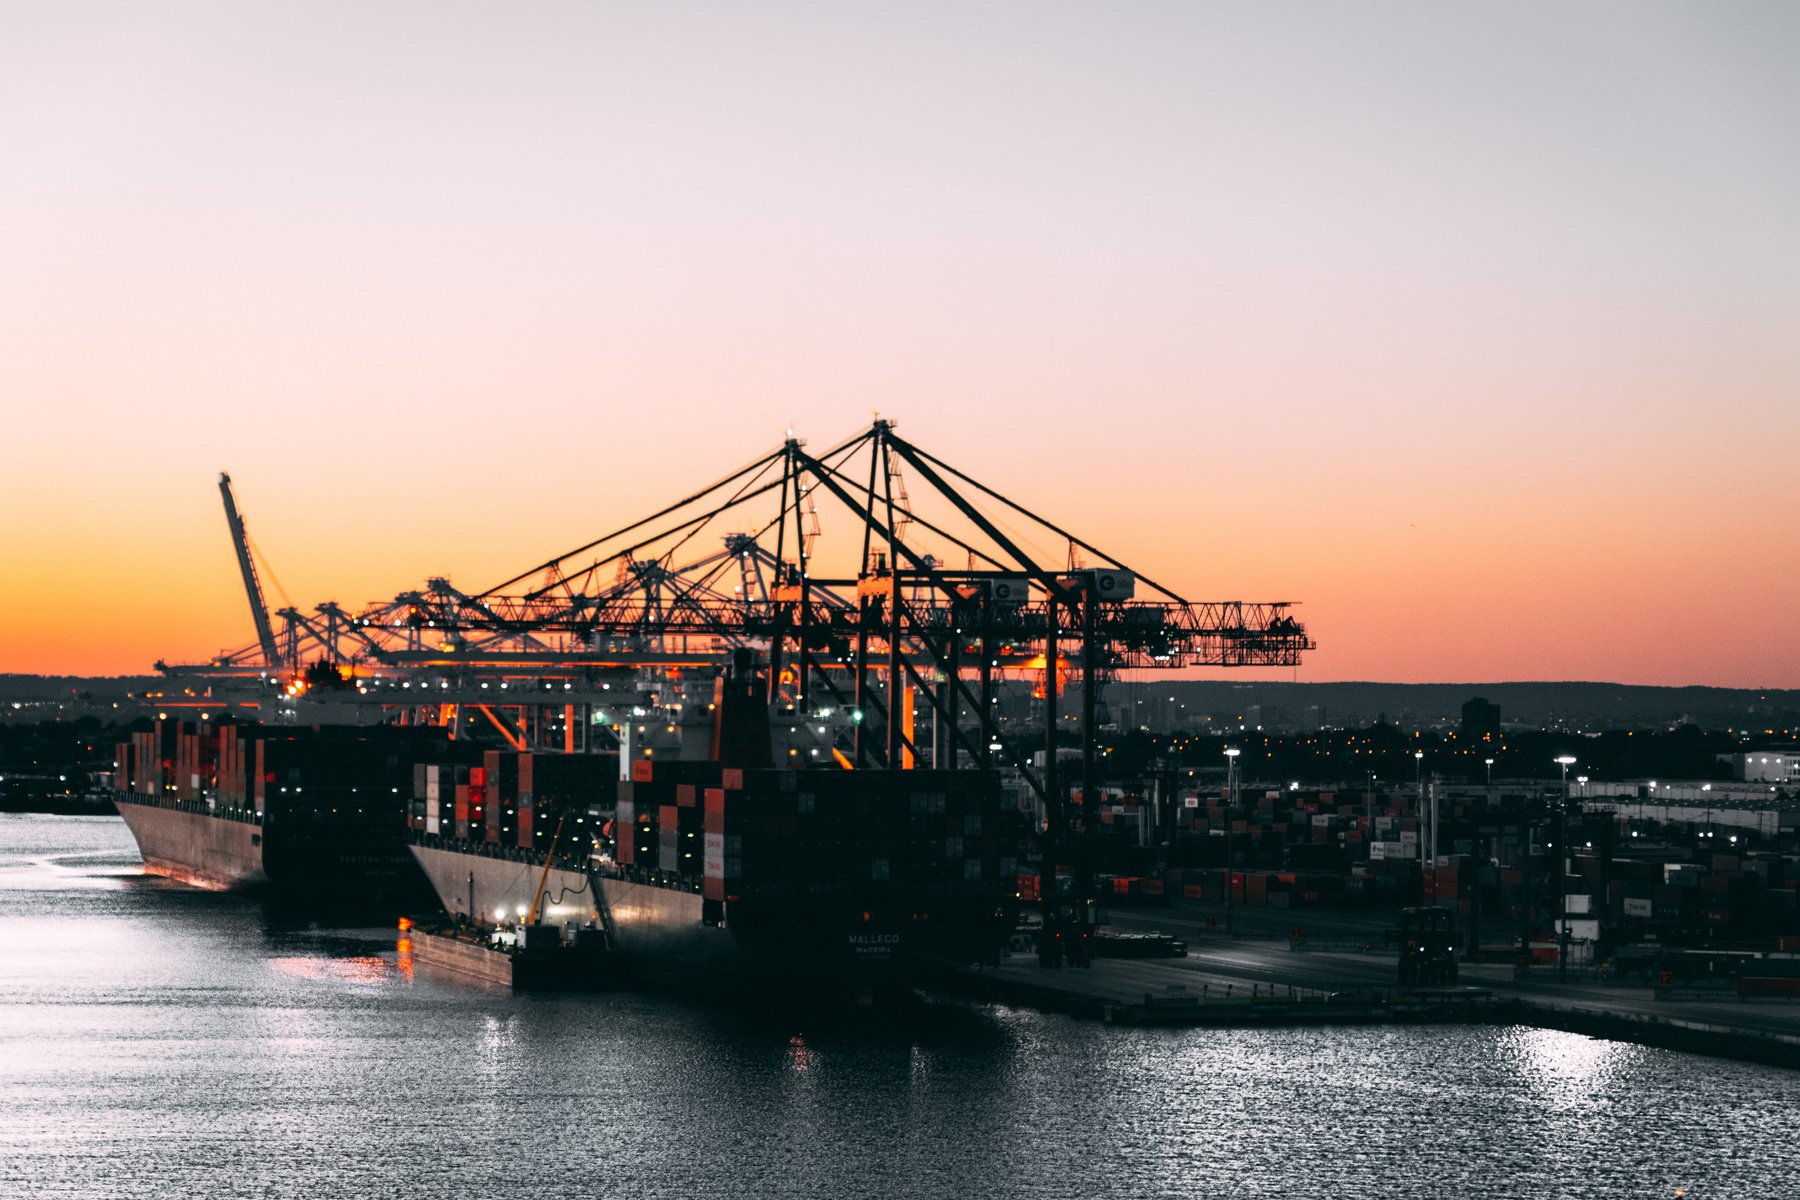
[(1476, 329)]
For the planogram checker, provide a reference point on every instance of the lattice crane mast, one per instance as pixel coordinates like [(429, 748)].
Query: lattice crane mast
[(864, 631), (240, 541)]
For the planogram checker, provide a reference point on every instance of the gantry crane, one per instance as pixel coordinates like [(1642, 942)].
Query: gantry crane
[(872, 628)]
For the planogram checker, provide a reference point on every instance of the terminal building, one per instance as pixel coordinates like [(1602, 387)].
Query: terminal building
[(1766, 766)]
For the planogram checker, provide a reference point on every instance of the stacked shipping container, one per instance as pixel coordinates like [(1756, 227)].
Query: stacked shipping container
[(787, 834), (511, 798)]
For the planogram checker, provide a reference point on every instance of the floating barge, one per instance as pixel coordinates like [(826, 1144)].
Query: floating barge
[(548, 958)]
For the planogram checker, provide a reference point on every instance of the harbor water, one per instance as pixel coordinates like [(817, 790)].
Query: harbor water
[(156, 1040)]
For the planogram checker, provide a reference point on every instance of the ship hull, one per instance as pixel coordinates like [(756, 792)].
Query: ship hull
[(201, 851), (665, 934), (657, 931), (302, 857)]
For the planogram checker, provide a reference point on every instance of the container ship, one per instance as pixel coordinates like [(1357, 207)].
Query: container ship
[(314, 814), (709, 872)]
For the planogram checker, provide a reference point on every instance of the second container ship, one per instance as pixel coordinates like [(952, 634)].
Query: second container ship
[(709, 872), (314, 815)]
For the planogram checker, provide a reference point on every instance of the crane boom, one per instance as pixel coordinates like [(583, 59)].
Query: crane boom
[(240, 541)]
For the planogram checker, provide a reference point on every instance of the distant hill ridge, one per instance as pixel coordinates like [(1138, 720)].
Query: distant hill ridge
[(1531, 703), (1351, 702)]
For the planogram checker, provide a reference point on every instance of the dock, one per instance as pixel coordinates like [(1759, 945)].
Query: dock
[(1156, 992), (1225, 982)]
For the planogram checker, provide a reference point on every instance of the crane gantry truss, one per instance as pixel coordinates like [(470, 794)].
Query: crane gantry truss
[(866, 623)]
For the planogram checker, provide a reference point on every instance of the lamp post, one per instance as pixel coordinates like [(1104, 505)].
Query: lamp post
[(1231, 786), (1565, 761), (1419, 807), (1369, 796)]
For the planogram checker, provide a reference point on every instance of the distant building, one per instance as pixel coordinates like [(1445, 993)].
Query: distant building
[(1270, 718), (1765, 766), (1480, 719)]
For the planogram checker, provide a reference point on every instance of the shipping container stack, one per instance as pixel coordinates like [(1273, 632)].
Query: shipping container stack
[(1728, 898), (875, 836), (442, 798), (245, 771), (1358, 847), (511, 800), (577, 790), (348, 773), (148, 763)]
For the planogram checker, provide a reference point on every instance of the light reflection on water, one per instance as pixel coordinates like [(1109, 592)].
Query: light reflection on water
[(1567, 1069), (157, 1041), (366, 969)]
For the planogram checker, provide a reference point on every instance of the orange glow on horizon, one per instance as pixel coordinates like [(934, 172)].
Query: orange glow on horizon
[(1345, 311)]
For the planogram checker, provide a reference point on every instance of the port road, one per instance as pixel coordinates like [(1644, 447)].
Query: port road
[(1347, 952)]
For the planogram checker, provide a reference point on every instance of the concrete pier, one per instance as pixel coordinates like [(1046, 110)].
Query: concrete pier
[(1261, 981)]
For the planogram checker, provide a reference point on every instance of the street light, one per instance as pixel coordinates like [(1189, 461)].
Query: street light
[(1231, 757), (1419, 803), (1565, 761), (1490, 773)]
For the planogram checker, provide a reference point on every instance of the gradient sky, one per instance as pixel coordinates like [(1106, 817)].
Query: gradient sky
[(1474, 328)]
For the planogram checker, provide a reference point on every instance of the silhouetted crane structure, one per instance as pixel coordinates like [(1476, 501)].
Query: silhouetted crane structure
[(831, 629), (240, 542), (870, 624)]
